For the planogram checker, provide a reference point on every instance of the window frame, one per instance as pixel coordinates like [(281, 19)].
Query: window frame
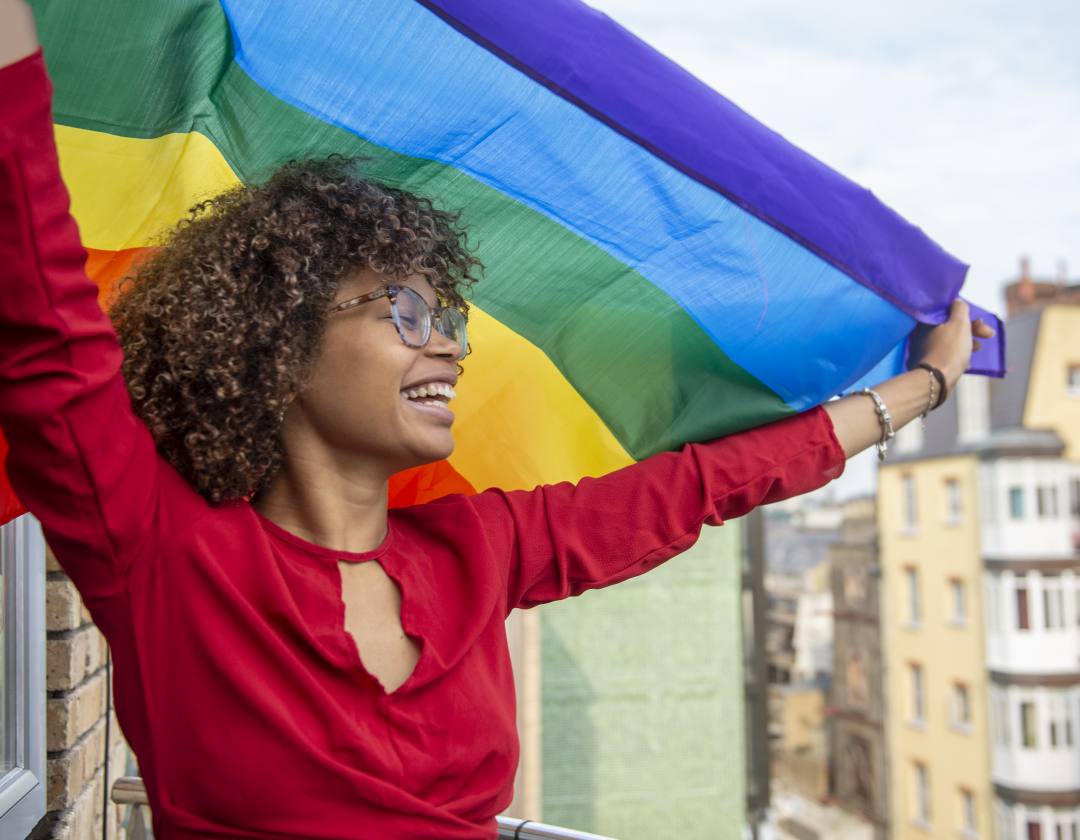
[(1053, 590), (923, 813), (954, 504), (913, 596), (1017, 502), (958, 601), (1022, 603), (22, 789), (968, 813), (961, 711), (917, 693), (1072, 379), (909, 504), (1029, 727)]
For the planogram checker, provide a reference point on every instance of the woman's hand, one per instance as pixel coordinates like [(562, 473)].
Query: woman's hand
[(18, 38), (949, 346)]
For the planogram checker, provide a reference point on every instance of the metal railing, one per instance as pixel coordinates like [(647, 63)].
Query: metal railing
[(129, 790)]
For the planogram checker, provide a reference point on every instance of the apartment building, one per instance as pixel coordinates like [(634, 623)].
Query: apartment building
[(979, 513), (857, 702)]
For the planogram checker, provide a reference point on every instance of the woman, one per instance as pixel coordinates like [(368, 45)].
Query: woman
[(290, 659)]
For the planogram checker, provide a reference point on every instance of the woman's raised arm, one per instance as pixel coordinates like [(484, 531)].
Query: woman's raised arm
[(79, 459)]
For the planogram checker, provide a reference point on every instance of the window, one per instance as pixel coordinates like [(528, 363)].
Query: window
[(1016, 502), (973, 408), (1027, 725), (1053, 602), (958, 601), (918, 693), (1023, 617), (967, 811), (914, 599), (953, 508), (961, 705), (1074, 497), (1046, 502), (911, 519), (922, 793), (1000, 716), (1061, 729), (22, 677), (1072, 379), (1034, 830)]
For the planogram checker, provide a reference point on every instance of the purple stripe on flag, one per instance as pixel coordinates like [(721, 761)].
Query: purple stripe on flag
[(585, 57)]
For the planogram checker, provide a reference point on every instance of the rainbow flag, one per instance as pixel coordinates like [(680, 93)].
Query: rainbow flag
[(660, 267)]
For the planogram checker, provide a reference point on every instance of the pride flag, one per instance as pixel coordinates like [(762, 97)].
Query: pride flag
[(660, 267)]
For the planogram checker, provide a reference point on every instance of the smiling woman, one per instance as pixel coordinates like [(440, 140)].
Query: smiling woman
[(213, 475)]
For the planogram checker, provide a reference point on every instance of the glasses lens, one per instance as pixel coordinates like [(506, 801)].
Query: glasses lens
[(413, 317), (452, 324)]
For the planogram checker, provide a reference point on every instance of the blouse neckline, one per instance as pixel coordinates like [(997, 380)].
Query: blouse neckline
[(323, 551)]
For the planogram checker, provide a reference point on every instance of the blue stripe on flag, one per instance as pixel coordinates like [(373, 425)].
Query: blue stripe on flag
[(398, 76)]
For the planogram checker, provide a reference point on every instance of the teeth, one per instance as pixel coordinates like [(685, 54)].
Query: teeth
[(431, 389)]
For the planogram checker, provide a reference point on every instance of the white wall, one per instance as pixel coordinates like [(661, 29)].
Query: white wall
[(1043, 767), (1032, 536)]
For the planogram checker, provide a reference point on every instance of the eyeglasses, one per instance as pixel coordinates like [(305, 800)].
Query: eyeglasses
[(414, 318)]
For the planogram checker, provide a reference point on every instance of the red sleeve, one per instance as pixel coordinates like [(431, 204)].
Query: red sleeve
[(563, 539), (79, 458)]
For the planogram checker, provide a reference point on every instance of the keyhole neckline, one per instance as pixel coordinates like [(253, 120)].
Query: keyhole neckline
[(321, 551)]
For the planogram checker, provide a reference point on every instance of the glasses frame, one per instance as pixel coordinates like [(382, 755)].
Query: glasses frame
[(433, 320)]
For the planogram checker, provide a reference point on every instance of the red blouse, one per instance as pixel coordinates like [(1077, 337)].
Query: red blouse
[(236, 682)]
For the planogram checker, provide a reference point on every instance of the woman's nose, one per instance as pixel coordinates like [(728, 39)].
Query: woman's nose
[(443, 346)]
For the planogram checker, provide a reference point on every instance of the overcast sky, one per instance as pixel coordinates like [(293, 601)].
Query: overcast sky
[(962, 116)]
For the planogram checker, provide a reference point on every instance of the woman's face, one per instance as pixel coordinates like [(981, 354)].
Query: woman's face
[(356, 402)]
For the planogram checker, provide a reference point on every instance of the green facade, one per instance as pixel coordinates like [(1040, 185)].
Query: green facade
[(642, 692)]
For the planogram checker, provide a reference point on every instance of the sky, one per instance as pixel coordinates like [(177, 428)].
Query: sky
[(962, 116)]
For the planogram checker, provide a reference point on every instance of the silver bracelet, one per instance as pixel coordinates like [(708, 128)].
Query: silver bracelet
[(887, 432)]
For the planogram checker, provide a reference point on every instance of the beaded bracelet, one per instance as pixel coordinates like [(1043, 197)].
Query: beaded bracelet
[(887, 432), (940, 377)]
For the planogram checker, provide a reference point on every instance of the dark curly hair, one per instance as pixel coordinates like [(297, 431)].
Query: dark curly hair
[(221, 325)]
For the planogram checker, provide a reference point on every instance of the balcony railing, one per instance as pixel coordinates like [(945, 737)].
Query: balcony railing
[(130, 791)]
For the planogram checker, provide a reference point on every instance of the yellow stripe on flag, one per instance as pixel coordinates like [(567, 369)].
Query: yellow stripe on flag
[(126, 192), (519, 422)]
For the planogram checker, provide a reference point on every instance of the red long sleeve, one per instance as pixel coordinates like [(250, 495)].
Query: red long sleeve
[(236, 682), (78, 457), (563, 539)]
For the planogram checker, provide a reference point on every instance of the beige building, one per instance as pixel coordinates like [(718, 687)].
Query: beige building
[(981, 598)]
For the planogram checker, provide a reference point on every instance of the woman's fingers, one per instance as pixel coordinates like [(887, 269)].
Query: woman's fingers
[(959, 310), (981, 329)]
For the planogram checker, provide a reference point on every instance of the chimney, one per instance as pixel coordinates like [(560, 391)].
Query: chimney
[(1025, 288)]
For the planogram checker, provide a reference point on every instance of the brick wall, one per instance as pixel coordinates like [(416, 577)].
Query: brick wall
[(75, 682)]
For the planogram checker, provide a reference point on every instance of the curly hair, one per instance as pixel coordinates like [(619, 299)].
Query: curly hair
[(220, 327)]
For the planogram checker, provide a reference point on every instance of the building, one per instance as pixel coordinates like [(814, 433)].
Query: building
[(856, 709), (631, 702), (978, 517)]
